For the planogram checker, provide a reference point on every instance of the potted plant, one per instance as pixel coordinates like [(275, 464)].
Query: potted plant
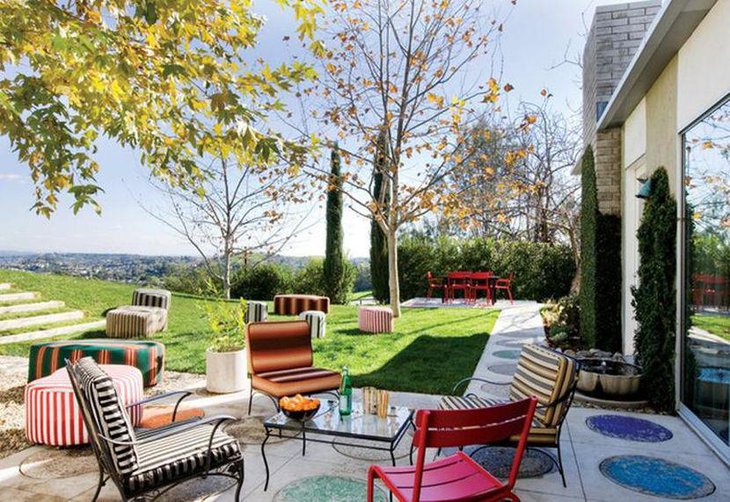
[(226, 366)]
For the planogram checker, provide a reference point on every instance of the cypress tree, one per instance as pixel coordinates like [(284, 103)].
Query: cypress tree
[(655, 297), (379, 270), (333, 260), (588, 227)]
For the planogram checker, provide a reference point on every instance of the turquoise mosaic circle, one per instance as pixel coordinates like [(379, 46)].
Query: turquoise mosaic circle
[(656, 477), (327, 489), (508, 354)]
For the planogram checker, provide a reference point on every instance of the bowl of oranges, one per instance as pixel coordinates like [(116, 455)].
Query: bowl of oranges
[(299, 407)]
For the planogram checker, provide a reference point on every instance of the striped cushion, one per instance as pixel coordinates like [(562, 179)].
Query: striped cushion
[(375, 319), (167, 459), (296, 304), (547, 375), (146, 355), (317, 322), (152, 298), (256, 311), (108, 413)]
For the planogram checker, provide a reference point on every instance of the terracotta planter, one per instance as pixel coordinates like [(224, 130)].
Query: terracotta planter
[(225, 372), (608, 377)]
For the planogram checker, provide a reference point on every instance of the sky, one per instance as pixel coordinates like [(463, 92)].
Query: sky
[(536, 36)]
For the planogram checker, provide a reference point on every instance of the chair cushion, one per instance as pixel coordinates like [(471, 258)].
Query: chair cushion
[(546, 375), (164, 460), (108, 412), (539, 434), (288, 382)]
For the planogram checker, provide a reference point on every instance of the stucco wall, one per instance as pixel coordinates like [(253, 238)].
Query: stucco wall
[(634, 135)]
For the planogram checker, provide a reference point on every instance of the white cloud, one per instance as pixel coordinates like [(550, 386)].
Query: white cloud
[(11, 177)]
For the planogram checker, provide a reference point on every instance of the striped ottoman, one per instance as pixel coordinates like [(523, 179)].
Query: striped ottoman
[(52, 416), (146, 355), (375, 319), (256, 311), (296, 304), (161, 298), (135, 321), (317, 322)]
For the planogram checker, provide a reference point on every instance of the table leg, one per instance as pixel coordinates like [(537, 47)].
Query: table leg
[(263, 454), (392, 453), (304, 442)]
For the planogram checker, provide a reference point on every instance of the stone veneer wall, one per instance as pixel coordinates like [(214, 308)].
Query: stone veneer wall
[(615, 35)]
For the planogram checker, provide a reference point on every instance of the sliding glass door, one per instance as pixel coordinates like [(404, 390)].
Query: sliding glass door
[(706, 354)]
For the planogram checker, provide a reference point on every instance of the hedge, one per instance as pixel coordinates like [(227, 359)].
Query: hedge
[(588, 249), (542, 271)]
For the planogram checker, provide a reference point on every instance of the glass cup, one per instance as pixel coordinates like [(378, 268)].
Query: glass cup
[(383, 398)]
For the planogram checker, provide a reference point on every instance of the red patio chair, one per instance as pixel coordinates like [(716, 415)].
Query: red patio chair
[(482, 281), (436, 283), (458, 477), (506, 284), (459, 281)]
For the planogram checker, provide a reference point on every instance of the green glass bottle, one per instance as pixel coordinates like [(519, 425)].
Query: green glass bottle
[(345, 393)]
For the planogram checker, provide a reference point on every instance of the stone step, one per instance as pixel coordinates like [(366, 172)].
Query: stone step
[(52, 332), (5, 285), (37, 320), (15, 297), (31, 307)]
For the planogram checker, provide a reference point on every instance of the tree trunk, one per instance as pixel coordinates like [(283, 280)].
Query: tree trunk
[(227, 274), (393, 272)]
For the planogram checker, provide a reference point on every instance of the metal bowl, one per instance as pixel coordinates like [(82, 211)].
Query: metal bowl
[(302, 416)]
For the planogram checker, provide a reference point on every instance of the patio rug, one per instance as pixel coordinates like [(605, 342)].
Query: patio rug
[(327, 489), (498, 460), (657, 477), (54, 463), (629, 428), (250, 431)]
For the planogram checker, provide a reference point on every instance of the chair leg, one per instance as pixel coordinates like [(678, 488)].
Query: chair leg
[(509, 294), (560, 466), (241, 476), (102, 482), (371, 483), (250, 399)]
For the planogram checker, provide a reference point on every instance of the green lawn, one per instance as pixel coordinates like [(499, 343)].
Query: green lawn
[(716, 324), (430, 350)]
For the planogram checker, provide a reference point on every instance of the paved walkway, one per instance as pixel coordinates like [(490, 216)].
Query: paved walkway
[(41, 473)]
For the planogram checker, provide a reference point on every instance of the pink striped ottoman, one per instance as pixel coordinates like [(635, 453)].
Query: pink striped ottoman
[(375, 319), (52, 416)]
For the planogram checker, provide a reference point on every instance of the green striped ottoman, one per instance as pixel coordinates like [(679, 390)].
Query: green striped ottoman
[(146, 355)]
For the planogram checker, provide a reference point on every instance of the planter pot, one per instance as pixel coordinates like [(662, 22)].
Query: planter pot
[(608, 377), (225, 371)]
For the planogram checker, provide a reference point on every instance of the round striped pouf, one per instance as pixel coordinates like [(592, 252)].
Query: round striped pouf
[(317, 321), (375, 319), (52, 415), (256, 311)]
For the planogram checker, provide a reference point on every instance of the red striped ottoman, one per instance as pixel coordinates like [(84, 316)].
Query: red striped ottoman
[(375, 319), (296, 304), (52, 416)]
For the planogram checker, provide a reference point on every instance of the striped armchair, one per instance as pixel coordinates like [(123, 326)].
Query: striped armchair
[(548, 375), (148, 462)]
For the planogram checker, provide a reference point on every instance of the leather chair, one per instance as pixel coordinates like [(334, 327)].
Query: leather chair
[(280, 362)]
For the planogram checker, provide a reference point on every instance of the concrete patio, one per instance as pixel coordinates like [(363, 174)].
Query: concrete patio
[(40, 473)]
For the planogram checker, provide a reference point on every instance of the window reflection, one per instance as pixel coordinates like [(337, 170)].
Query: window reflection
[(706, 389)]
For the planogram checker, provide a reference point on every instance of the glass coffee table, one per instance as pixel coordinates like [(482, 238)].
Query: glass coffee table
[(358, 429)]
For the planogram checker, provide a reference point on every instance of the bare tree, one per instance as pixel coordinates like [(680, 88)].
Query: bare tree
[(406, 71), (234, 212)]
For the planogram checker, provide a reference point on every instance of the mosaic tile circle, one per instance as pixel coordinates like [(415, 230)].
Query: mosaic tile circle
[(371, 455), (59, 464), (515, 343), (503, 369), (508, 354), (630, 428), (498, 461), (249, 430), (656, 477), (327, 489)]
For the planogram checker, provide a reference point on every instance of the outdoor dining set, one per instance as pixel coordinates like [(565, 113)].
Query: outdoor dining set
[(470, 285)]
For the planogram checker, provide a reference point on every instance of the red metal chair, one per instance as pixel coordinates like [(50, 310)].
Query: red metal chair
[(436, 283), (458, 477), (459, 281), (482, 281), (506, 285)]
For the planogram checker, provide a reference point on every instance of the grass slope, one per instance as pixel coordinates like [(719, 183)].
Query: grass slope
[(430, 350)]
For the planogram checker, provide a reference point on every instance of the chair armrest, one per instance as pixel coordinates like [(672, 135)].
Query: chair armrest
[(478, 379), (182, 393), (172, 430)]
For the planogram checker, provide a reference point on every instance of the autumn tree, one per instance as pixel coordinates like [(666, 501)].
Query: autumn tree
[(173, 80), (405, 70)]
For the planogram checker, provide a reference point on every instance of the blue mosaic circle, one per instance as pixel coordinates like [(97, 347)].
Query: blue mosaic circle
[(498, 461), (657, 477), (629, 428), (508, 354), (327, 489)]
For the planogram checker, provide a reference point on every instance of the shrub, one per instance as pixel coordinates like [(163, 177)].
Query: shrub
[(261, 282), (655, 297), (187, 279), (588, 230), (562, 319), (542, 271), (379, 265), (608, 283), (335, 283)]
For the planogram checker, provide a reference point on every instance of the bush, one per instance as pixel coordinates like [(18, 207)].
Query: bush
[(562, 320), (186, 279), (310, 280), (362, 278), (542, 271), (608, 284), (588, 250), (261, 282), (655, 296)]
